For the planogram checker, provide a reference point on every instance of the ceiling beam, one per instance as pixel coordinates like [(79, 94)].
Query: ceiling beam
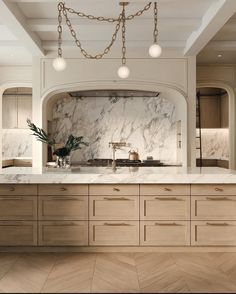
[(15, 21), (213, 20)]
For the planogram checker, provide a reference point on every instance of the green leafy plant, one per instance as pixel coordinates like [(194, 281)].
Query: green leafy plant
[(73, 143)]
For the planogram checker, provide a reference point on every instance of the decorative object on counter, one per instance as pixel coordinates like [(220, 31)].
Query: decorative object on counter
[(59, 63), (133, 155), (63, 153)]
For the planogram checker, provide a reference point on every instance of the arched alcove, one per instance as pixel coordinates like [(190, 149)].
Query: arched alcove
[(171, 93), (232, 109)]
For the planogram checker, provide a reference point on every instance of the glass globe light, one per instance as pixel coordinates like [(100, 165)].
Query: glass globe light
[(123, 72), (155, 50), (59, 63)]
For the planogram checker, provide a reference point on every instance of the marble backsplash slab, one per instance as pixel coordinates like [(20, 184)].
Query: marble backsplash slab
[(16, 143), (147, 124)]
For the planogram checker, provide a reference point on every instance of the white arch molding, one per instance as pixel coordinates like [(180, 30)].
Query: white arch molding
[(232, 116), (3, 88), (170, 92)]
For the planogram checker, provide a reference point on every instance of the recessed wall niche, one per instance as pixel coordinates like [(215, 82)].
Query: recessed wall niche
[(148, 121)]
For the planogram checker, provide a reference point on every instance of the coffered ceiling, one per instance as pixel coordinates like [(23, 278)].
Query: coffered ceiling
[(29, 27)]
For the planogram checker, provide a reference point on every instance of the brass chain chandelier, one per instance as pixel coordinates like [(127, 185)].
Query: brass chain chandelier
[(120, 22)]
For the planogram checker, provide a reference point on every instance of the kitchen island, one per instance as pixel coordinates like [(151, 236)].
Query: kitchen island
[(95, 209)]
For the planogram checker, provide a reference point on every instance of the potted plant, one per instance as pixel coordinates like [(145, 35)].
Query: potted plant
[(63, 153)]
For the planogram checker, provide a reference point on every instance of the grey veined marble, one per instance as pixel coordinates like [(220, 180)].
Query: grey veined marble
[(147, 124)]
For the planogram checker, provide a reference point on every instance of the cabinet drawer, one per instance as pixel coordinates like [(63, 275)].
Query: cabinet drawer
[(213, 207), (169, 190), (204, 190), (165, 233), (165, 207), (63, 207), (116, 190), (114, 207), (63, 233), (18, 189), (59, 189), (18, 207), (18, 233), (110, 233), (213, 233)]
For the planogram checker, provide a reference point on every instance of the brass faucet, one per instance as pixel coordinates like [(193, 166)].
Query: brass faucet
[(115, 146)]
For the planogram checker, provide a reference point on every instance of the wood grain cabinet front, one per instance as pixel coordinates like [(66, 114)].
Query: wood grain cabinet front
[(213, 207), (113, 233), (164, 190), (114, 207), (63, 208), (18, 207), (63, 190), (113, 190), (18, 189), (165, 207), (213, 190), (18, 233), (213, 233), (164, 233), (63, 233)]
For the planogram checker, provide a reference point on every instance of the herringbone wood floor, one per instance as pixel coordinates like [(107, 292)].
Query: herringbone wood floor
[(118, 272)]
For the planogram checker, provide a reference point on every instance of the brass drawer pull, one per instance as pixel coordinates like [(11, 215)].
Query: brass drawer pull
[(167, 224), (10, 198), (66, 198), (167, 199), (62, 189), (116, 189), (116, 199), (218, 225), (218, 189), (116, 225), (12, 189), (218, 198), (167, 189)]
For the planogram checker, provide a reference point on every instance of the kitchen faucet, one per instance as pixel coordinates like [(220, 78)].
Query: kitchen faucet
[(115, 146)]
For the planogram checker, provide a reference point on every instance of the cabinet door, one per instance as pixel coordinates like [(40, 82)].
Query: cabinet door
[(114, 207), (24, 111), (63, 207), (9, 112), (164, 233), (213, 233), (165, 207), (111, 233), (63, 233), (18, 233), (210, 112)]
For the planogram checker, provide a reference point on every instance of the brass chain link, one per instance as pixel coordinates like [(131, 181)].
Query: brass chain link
[(62, 11), (123, 36), (155, 32)]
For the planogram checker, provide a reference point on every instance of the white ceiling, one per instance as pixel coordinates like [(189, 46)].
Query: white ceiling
[(29, 27)]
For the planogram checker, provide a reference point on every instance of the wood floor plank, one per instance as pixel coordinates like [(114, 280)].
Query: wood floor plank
[(72, 273), (115, 273)]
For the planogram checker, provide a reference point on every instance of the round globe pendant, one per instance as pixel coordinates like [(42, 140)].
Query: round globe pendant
[(123, 72), (155, 50), (59, 64)]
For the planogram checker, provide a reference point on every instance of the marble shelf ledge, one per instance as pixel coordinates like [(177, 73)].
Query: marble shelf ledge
[(124, 175)]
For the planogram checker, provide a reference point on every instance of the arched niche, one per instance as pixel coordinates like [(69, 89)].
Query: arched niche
[(172, 93), (232, 117)]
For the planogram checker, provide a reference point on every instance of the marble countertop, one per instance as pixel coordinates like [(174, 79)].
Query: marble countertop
[(123, 175)]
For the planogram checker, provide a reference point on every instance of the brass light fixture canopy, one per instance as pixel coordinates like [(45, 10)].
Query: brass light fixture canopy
[(123, 3)]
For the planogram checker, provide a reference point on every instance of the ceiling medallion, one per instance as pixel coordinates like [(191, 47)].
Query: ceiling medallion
[(120, 22)]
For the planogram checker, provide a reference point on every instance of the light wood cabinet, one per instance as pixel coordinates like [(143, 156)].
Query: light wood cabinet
[(213, 233), (165, 207), (63, 233), (164, 233), (210, 112), (113, 233), (63, 208), (114, 207), (63, 190), (213, 207), (162, 190), (18, 233), (18, 208), (213, 189), (18, 189), (113, 190)]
